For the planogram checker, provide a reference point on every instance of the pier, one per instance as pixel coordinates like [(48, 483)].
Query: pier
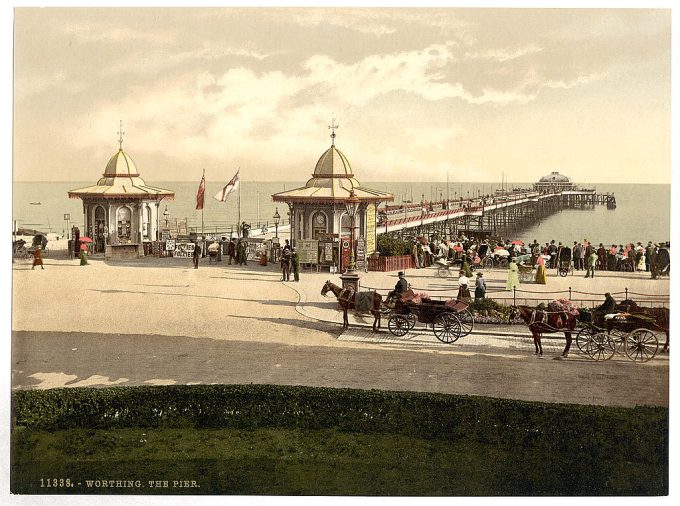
[(497, 215)]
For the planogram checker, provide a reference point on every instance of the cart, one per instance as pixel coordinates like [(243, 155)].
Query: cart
[(564, 266), (450, 320), (632, 333)]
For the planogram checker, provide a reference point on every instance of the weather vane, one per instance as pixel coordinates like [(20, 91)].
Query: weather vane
[(332, 127), (120, 136)]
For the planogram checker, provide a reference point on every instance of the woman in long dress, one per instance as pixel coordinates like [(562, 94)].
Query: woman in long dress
[(463, 290), (541, 273), (513, 276), (83, 253)]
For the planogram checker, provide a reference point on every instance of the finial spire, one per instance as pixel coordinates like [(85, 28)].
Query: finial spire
[(333, 127), (120, 136)]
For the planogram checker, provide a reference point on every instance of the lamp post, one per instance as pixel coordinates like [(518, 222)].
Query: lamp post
[(165, 216), (67, 218), (277, 219), (352, 206)]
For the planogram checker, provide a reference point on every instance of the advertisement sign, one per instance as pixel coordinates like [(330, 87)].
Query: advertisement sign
[(370, 229), (360, 254), (184, 250), (308, 250)]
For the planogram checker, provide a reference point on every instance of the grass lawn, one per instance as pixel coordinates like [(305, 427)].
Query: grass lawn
[(275, 461)]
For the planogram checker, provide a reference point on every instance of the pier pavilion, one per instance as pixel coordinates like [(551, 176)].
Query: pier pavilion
[(319, 211), (121, 212)]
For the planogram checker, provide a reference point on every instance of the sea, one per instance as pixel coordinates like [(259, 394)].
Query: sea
[(642, 212)]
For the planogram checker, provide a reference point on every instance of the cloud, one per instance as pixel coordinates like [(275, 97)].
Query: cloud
[(503, 55)]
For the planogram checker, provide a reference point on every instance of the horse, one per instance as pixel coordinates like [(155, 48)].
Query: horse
[(349, 299), (541, 322)]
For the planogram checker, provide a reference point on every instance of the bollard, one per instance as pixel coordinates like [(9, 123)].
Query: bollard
[(626, 289), (569, 293)]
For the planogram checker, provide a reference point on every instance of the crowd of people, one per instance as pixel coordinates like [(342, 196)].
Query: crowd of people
[(581, 256)]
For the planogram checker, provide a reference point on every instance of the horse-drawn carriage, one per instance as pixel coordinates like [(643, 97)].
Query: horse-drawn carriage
[(450, 319), (630, 329), (525, 268)]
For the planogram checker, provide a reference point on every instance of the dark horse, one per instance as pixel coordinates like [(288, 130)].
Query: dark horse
[(349, 299), (541, 322)]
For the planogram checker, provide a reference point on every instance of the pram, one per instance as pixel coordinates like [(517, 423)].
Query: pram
[(564, 266)]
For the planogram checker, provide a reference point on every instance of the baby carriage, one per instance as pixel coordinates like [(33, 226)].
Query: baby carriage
[(564, 266)]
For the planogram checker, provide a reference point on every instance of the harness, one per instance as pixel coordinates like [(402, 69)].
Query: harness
[(544, 319)]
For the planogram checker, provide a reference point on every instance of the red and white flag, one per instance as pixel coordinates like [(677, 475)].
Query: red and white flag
[(201, 193), (229, 187)]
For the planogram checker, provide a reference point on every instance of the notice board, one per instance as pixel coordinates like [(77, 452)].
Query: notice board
[(308, 250)]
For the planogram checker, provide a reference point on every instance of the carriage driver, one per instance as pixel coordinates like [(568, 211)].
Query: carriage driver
[(608, 305), (400, 287)]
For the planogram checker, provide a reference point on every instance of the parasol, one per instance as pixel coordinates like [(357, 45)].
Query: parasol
[(85, 239), (517, 243)]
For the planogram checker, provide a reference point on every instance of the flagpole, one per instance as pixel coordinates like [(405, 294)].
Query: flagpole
[(202, 230), (238, 225)]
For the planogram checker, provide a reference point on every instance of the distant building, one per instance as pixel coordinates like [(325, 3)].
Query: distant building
[(554, 182), (121, 212)]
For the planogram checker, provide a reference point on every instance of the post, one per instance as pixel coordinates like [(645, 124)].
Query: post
[(626, 293), (514, 295), (569, 293)]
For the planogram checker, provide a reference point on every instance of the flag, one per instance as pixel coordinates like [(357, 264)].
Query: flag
[(229, 187), (201, 193)]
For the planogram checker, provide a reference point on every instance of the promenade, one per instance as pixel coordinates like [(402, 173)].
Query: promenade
[(159, 321)]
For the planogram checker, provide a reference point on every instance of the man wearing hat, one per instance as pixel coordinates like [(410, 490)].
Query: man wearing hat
[(295, 265), (400, 287), (480, 287)]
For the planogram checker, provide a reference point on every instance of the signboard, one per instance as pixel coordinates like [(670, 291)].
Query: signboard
[(170, 245), (360, 254), (370, 229), (184, 250), (165, 235), (308, 250), (327, 252)]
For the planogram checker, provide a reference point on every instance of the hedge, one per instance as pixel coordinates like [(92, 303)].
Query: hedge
[(424, 415)]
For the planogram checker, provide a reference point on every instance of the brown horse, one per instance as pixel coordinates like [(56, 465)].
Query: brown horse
[(349, 299), (545, 322)]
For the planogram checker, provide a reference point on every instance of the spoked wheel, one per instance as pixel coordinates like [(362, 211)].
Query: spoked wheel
[(487, 263), (398, 325), (411, 318), (583, 339), (641, 345), (447, 327), (443, 272), (467, 322), (503, 263), (525, 277), (601, 347)]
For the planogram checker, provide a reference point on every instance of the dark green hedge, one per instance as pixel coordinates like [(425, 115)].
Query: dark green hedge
[(409, 413)]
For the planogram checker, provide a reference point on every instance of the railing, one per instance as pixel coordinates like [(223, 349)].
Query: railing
[(387, 264)]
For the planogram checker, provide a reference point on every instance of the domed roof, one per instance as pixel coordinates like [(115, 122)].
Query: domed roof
[(332, 164), (554, 177), (120, 164)]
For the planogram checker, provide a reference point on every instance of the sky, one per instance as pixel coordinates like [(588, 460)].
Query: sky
[(418, 94)]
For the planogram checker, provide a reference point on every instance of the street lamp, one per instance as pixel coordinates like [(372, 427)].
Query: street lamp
[(165, 216), (352, 206), (277, 219), (67, 218)]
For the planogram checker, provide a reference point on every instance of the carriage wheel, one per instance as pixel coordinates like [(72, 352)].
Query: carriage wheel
[(411, 318), (503, 263), (443, 272), (467, 322), (525, 277), (398, 325), (601, 347), (447, 328), (641, 345), (583, 339), (487, 263)]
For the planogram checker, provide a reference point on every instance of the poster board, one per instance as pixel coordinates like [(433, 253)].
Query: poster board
[(370, 229), (184, 250), (308, 250), (360, 254)]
